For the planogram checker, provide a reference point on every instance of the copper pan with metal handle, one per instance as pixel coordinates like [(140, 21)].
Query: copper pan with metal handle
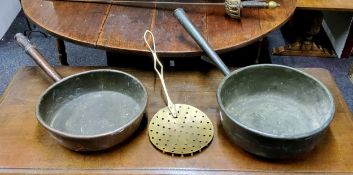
[(269, 110)]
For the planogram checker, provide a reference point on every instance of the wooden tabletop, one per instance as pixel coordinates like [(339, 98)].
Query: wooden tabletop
[(330, 5), (27, 148), (119, 28)]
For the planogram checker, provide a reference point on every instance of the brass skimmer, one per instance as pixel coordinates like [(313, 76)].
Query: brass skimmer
[(178, 129)]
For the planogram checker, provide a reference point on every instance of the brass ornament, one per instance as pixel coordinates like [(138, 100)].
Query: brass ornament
[(232, 8)]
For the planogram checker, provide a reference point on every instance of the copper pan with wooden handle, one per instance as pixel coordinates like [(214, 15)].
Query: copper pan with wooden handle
[(91, 110)]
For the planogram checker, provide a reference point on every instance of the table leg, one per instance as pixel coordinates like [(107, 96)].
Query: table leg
[(263, 56), (255, 53), (350, 73), (29, 31), (301, 31), (62, 52)]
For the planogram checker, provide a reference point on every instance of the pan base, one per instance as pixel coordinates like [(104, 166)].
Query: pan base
[(95, 113), (273, 114)]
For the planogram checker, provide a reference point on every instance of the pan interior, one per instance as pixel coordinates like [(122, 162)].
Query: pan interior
[(93, 103), (94, 113), (276, 101)]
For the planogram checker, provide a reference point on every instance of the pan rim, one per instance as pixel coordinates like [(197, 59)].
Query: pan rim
[(74, 136), (329, 116)]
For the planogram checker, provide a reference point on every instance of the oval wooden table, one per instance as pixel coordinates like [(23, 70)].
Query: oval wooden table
[(121, 28)]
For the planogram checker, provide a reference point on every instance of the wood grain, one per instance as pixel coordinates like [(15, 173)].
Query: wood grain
[(118, 28), (172, 38), (27, 148), (330, 5), (124, 28), (76, 22)]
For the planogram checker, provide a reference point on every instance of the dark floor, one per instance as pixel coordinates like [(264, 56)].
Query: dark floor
[(12, 58)]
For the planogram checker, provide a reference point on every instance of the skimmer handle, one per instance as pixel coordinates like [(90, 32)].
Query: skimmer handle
[(171, 105)]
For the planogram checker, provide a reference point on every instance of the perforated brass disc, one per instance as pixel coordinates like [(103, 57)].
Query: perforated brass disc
[(188, 133)]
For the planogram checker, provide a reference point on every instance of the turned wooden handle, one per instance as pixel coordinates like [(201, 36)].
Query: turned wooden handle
[(36, 56)]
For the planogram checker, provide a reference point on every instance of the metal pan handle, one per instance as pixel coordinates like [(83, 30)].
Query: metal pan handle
[(184, 20), (36, 56)]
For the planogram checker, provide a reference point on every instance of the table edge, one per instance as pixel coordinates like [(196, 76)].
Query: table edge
[(198, 52)]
